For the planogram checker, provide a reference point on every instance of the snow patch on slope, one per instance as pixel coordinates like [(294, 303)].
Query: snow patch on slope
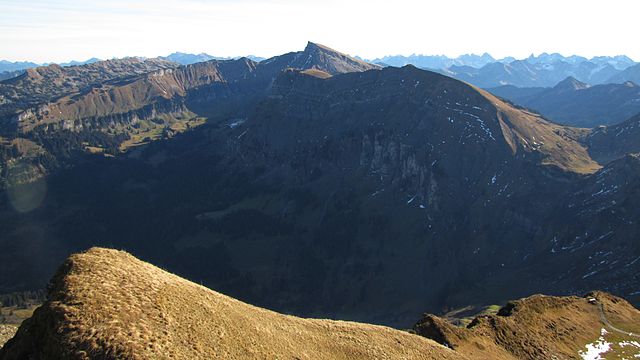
[(597, 348)]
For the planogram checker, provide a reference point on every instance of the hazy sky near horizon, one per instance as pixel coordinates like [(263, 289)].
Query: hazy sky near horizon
[(63, 30)]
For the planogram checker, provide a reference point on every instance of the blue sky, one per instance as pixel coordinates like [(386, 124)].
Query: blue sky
[(62, 30)]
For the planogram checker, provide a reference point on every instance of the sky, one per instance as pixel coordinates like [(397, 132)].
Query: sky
[(64, 30)]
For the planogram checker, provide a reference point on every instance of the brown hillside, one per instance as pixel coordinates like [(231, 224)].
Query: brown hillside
[(106, 304), (540, 327), (528, 132), (45, 83), (121, 97)]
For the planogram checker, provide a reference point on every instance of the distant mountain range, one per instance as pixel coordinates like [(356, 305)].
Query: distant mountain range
[(572, 102), (6, 66), (10, 69), (186, 58), (619, 62), (523, 73), (544, 70), (436, 61)]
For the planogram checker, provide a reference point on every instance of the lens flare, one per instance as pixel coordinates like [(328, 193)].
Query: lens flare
[(27, 187)]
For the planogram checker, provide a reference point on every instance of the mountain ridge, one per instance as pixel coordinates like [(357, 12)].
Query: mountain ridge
[(575, 103), (541, 327), (89, 315), (107, 304)]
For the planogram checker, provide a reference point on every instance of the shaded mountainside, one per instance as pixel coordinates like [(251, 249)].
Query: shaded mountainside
[(515, 94), (544, 327), (10, 74), (614, 142), (106, 304), (574, 103), (631, 73), (369, 196), (599, 226)]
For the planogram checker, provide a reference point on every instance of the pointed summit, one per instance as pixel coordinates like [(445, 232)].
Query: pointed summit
[(311, 46), (571, 84), (317, 56)]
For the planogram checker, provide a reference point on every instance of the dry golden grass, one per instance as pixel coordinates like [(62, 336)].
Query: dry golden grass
[(317, 73), (538, 327), (6, 333), (106, 304)]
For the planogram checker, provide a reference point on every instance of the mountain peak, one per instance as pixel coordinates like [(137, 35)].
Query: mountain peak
[(571, 83), (311, 46), (315, 48), (329, 60)]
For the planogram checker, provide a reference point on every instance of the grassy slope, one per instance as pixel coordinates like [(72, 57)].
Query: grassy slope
[(560, 145), (541, 327), (115, 306)]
